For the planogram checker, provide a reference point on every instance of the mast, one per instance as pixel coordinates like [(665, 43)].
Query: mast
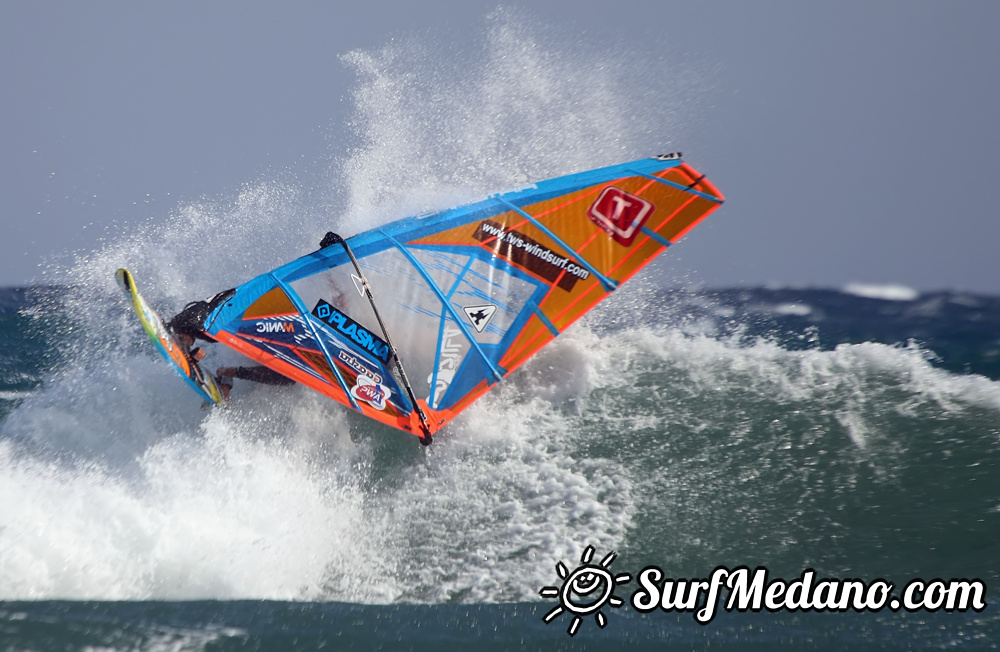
[(332, 239)]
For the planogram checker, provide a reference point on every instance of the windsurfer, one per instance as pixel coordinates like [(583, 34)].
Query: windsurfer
[(188, 326)]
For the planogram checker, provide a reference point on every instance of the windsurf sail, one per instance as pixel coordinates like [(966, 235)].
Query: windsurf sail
[(411, 322)]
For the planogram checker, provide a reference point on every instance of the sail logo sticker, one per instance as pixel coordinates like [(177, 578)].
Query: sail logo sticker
[(530, 254), (450, 356), (620, 214), (357, 366), (352, 329), (480, 316), (367, 390), (275, 327)]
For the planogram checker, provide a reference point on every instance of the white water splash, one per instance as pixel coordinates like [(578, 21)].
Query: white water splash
[(115, 486)]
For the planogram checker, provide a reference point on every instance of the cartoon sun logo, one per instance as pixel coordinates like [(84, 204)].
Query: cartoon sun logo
[(585, 590)]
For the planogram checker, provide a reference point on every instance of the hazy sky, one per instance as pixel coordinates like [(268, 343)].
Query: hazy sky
[(856, 141)]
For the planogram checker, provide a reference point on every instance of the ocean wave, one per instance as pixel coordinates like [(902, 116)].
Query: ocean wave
[(662, 441)]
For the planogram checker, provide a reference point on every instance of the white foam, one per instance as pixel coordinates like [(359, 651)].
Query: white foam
[(269, 500), (855, 427), (14, 396), (219, 515), (499, 503), (888, 292), (797, 309), (273, 500)]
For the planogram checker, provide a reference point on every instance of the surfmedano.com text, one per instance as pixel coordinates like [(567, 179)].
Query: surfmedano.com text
[(752, 591)]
